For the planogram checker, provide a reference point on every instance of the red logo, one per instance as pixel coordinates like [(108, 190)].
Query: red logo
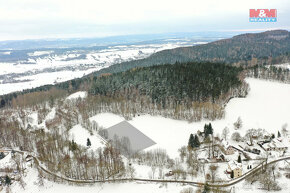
[(261, 13)]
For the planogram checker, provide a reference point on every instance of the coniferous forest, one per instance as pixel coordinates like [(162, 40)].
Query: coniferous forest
[(187, 88), (186, 82)]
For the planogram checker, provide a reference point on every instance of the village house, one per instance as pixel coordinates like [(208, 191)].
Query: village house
[(229, 150), (235, 167), (275, 145), (252, 150)]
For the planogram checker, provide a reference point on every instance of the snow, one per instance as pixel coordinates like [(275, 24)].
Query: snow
[(31, 180), (267, 107), (107, 120), (31, 186), (42, 79), (51, 114), (6, 161), (80, 94), (33, 119), (39, 53), (80, 136), (283, 66), (5, 53)]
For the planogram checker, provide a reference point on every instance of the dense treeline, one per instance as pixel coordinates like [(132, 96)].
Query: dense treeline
[(190, 91), (188, 82), (277, 73)]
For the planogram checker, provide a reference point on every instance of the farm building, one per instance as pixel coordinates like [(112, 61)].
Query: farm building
[(235, 167)]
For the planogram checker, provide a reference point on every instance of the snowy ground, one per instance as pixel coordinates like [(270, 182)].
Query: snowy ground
[(284, 66), (80, 94), (32, 187), (267, 107), (80, 136), (133, 187)]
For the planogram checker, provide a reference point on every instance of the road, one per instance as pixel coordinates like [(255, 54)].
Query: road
[(193, 183)]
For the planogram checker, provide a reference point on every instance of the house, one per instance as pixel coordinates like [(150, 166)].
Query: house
[(229, 150), (253, 150), (275, 145), (235, 167)]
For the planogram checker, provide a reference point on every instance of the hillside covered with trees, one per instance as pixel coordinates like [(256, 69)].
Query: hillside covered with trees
[(270, 47), (247, 50), (197, 90)]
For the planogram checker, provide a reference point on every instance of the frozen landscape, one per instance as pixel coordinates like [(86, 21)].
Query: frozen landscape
[(187, 96), (265, 107), (24, 69)]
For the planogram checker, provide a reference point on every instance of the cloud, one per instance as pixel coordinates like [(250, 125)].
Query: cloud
[(67, 17)]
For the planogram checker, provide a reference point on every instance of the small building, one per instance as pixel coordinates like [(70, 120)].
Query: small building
[(253, 150), (229, 150), (275, 145), (236, 168)]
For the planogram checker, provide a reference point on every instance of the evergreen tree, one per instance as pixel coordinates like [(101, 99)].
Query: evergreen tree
[(239, 159), (191, 141), (89, 142), (279, 134), (73, 145), (2, 155), (196, 141), (7, 180), (210, 129), (232, 174), (206, 188), (273, 136), (205, 130)]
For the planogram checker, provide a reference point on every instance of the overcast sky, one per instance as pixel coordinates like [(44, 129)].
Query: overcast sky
[(26, 19)]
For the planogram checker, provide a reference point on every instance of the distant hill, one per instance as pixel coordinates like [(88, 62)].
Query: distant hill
[(270, 47)]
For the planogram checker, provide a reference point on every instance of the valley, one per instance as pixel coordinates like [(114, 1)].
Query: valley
[(25, 69)]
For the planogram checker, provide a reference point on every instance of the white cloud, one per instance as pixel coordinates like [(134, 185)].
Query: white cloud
[(30, 15)]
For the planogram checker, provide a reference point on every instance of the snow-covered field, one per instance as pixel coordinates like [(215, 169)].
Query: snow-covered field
[(267, 106)]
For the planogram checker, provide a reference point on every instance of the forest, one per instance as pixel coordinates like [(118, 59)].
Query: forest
[(187, 82), (182, 88)]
